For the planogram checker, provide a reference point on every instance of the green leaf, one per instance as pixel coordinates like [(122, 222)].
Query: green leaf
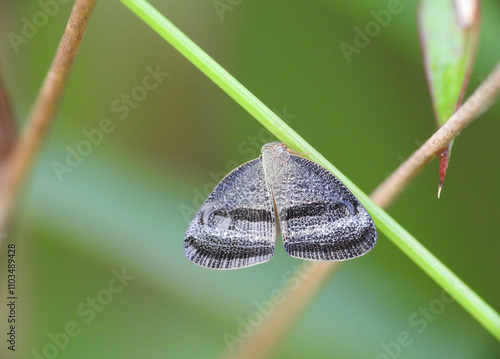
[(449, 46), (449, 32)]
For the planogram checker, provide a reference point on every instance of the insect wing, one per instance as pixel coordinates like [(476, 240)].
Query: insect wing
[(235, 227), (320, 218)]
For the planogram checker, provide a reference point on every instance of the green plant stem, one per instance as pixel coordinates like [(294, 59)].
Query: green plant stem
[(476, 306)]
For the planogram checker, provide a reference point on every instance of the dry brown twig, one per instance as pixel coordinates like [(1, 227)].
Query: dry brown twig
[(265, 338), (44, 110), (475, 105)]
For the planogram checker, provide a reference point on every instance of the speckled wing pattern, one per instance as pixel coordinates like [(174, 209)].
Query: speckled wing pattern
[(236, 226), (320, 218)]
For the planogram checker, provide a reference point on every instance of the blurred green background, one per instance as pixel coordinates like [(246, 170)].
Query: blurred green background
[(126, 205)]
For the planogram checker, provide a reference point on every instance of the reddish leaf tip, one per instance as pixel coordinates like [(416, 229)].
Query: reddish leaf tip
[(444, 158)]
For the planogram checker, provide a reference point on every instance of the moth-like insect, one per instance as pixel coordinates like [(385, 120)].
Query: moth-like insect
[(319, 218)]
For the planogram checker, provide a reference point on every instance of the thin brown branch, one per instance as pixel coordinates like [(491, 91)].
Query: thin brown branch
[(475, 105), (44, 109), (265, 338)]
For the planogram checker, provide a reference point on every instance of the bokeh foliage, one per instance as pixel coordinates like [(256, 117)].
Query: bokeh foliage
[(121, 207)]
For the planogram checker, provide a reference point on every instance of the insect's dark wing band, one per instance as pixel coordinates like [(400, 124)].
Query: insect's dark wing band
[(320, 218), (236, 226), (337, 245), (214, 253)]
